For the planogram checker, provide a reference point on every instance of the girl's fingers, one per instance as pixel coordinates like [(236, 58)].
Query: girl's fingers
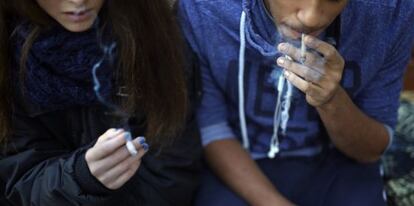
[(103, 149), (143, 150), (132, 163), (115, 172), (120, 155), (110, 133), (111, 161), (140, 143), (121, 180)]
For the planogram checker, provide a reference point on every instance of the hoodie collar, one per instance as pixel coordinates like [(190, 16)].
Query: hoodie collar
[(261, 32)]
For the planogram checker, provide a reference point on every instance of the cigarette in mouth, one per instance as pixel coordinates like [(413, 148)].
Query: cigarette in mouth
[(303, 49)]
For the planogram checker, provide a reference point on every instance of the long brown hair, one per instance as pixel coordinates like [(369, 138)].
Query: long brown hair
[(149, 54), (5, 106)]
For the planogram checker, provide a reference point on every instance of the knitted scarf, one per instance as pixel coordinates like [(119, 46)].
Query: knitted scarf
[(59, 67)]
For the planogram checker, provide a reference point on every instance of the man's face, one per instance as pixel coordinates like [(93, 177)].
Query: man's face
[(312, 17)]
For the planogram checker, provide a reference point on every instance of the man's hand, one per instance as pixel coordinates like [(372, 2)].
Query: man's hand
[(110, 161), (319, 75)]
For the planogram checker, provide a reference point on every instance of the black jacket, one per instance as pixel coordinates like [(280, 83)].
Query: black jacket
[(43, 162)]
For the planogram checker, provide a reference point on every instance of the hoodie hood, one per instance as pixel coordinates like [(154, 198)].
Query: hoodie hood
[(255, 36), (260, 32), (212, 29)]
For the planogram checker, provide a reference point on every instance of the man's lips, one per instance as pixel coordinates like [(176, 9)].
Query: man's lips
[(296, 33), (312, 32)]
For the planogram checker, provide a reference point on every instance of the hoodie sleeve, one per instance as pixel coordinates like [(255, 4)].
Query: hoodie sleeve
[(380, 99), (36, 169), (212, 114)]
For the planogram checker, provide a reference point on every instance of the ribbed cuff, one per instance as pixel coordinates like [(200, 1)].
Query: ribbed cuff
[(390, 132), (88, 183), (216, 132)]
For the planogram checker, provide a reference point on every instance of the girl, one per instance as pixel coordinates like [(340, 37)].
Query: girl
[(78, 77)]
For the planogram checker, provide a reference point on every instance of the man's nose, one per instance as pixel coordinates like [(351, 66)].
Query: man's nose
[(311, 15)]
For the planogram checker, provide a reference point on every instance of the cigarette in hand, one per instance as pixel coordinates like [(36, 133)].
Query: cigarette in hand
[(130, 146), (303, 49)]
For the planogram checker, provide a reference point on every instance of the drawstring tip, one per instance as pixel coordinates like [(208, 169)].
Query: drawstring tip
[(273, 151)]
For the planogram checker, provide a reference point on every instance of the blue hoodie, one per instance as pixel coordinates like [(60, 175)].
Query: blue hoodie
[(244, 95)]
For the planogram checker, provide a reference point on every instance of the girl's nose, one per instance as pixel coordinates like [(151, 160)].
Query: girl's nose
[(78, 2)]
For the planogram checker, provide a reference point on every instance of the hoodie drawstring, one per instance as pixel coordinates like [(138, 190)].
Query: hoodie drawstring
[(281, 115), (242, 114)]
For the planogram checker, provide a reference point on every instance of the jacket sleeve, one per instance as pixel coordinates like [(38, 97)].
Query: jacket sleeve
[(169, 176), (36, 169)]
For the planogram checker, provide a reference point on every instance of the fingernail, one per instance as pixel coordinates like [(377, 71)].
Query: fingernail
[(308, 39), (145, 146), (141, 140), (282, 47), (286, 73), (281, 61)]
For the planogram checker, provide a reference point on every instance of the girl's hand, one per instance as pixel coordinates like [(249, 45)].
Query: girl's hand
[(110, 161)]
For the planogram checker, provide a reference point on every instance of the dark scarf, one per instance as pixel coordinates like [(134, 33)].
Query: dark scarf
[(59, 68)]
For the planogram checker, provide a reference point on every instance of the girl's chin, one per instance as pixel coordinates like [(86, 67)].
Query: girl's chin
[(78, 27)]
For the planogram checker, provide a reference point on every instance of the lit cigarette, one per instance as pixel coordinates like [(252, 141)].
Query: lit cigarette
[(303, 49), (131, 148), (129, 145)]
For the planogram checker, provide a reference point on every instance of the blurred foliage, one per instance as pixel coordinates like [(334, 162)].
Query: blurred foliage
[(398, 161)]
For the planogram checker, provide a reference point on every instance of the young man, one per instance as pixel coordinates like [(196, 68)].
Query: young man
[(286, 121)]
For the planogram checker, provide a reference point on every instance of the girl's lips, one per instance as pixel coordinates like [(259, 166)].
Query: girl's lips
[(79, 16)]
